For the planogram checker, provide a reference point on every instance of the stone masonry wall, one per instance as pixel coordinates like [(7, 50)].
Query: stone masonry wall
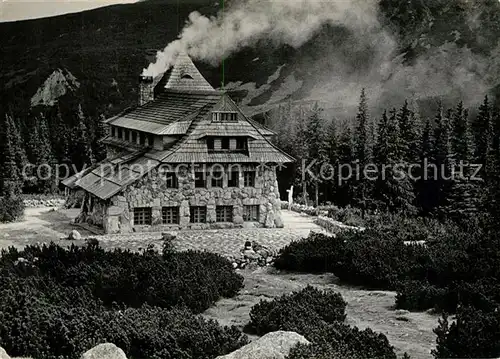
[(151, 191)]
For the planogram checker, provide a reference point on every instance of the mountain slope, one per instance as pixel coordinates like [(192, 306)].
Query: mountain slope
[(442, 49)]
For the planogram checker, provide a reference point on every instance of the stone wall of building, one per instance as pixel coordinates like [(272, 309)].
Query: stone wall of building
[(151, 191)]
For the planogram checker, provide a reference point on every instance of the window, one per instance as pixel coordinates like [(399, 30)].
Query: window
[(119, 133), (127, 135), (198, 214), (210, 144), (170, 215), (151, 140), (251, 213), (142, 138), (142, 216), (241, 144), (249, 178), (199, 180), (224, 213), (217, 178), (233, 179), (224, 116), (134, 137), (171, 180), (225, 144), (113, 131)]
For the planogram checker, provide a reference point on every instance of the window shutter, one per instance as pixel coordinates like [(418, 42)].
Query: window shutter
[(232, 144), (217, 144)]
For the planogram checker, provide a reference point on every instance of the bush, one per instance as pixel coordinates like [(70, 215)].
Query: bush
[(319, 317), (474, 334), (316, 254), (42, 330), (11, 209), (192, 279), (290, 311), (58, 303)]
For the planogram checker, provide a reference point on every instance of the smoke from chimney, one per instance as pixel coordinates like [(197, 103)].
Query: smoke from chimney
[(367, 58), (248, 21)]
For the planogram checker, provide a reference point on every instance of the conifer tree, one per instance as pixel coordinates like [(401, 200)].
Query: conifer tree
[(463, 195), (408, 128), (345, 168), (393, 191), (100, 148), (442, 160), (332, 155), (10, 181), (60, 138), (425, 174), (316, 146), (491, 199), (18, 148), (82, 154), (361, 192), (481, 132)]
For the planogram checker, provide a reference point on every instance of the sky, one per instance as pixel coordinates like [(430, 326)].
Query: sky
[(12, 10)]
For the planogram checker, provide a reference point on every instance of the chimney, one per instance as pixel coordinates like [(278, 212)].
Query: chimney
[(146, 89)]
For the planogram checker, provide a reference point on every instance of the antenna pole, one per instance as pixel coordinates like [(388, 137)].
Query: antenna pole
[(222, 2)]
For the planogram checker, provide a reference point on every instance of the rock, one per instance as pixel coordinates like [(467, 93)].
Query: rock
[(74, 235), (250, 254), (274, 345), (169, 236), (3, 354), (104, 351), (401, 312)]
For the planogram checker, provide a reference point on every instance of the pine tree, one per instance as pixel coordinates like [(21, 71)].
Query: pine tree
[(393, 190), (10, 181), (481, 132), (82, 154), (409, 135), (345, 168), (332, 155), (316, 146), (425, 176), (491, 199), (18, 149), (361, 151), (463, 195), (442, 160), (101, 133), (60, 138)]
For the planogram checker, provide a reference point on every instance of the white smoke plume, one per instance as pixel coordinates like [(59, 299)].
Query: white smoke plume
[(245, 22)]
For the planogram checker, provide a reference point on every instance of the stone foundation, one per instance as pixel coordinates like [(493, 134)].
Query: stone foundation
[(151, 192)]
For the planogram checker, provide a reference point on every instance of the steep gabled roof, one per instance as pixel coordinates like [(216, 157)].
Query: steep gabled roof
[(193, 148), (186, 77)]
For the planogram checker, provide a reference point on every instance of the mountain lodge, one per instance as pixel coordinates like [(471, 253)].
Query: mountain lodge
[(185, 158)]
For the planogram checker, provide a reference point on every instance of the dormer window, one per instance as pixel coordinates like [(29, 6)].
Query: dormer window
[(224, 116), (227, 144), (186, 76)]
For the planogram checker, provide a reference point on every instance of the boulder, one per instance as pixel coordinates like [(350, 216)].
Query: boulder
[(3, 354), (104, 351), (74, 235), (274, 345), (250, 254), (168, 236)]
